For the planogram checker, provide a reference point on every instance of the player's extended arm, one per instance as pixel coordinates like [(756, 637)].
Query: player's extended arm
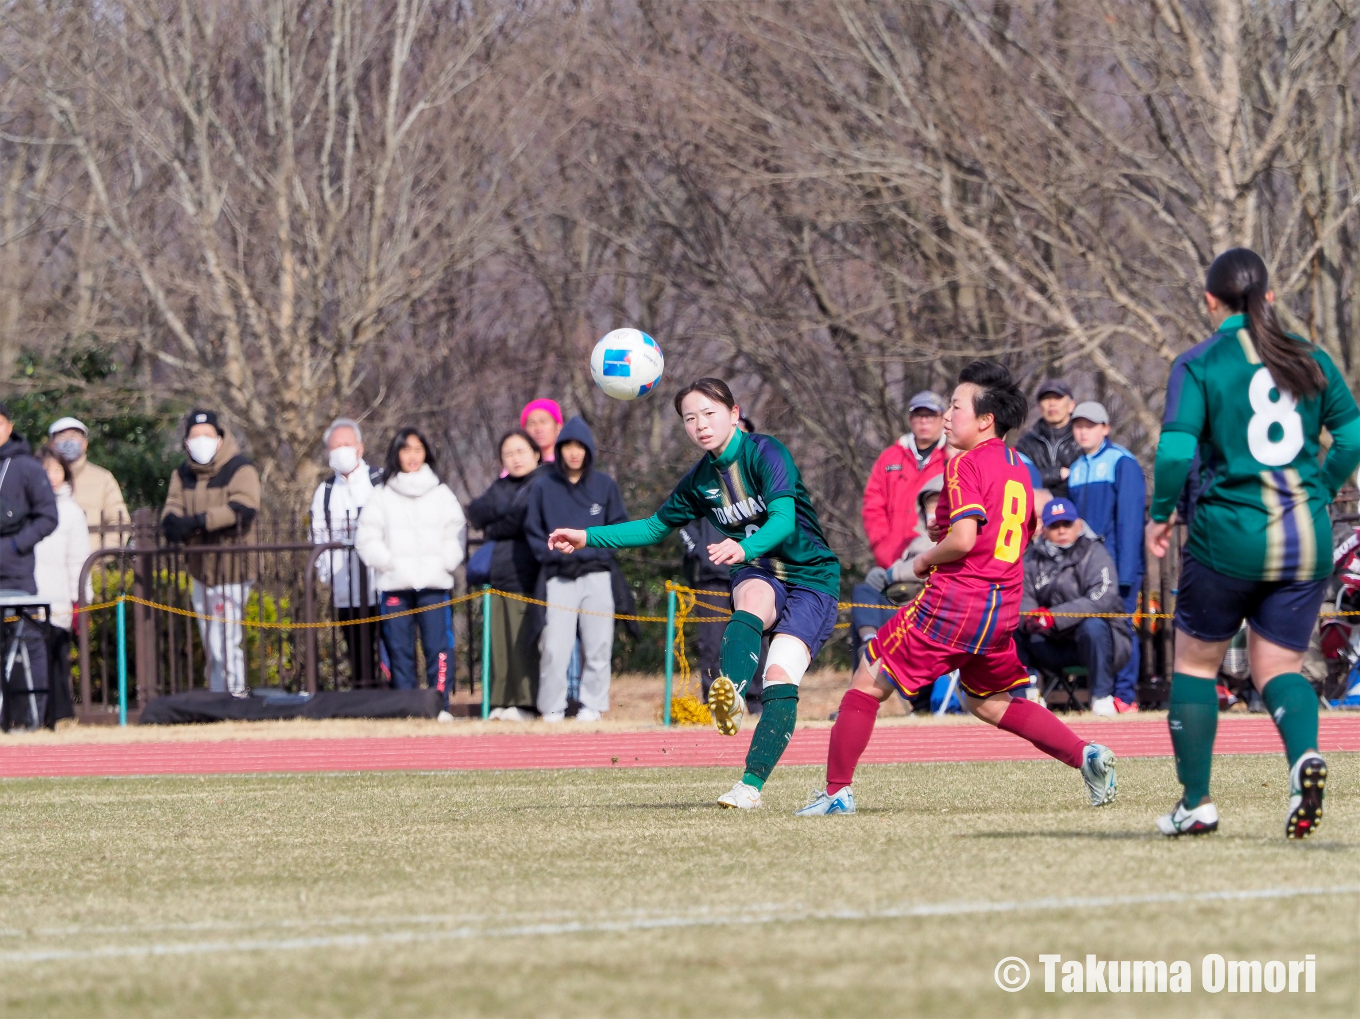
[(1175, 450), (629, 534), (1343, 457), (957, 543)]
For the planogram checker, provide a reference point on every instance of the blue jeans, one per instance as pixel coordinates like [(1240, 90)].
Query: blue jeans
[(436, 639), (860, 618), (1090, 645), (1126, 681)]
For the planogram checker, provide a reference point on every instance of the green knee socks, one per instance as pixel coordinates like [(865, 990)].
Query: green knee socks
[(772, 732), (1294, 707), (741, 649), (1193, 719)]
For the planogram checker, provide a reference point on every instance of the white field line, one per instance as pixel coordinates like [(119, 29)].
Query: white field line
[(756, 916)]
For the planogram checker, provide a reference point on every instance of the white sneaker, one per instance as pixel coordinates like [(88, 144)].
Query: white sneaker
[(444, 716), (1200, 821), (553, 716), (741, 796), (587, 715), (1103, 706), (496, 715), (515, 715)]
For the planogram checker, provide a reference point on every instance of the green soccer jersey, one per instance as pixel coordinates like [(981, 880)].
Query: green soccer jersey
[(735, 491), (1262, 514)]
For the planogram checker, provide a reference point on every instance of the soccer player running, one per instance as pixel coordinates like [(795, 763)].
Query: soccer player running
[(965, 616), (784, 576), (1253, 400)]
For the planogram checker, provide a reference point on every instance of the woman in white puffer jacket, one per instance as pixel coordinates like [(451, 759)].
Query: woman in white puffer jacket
[(412, 534), (57, 562)]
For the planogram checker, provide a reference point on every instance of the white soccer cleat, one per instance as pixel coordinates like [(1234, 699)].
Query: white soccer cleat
[(726, 706), (1200, 821), (1104, 707), (741, 797), (1097, 768), (821, 805), (1307, 780)]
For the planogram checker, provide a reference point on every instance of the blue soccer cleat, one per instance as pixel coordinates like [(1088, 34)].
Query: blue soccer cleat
[(821, 804), (1097, 768)]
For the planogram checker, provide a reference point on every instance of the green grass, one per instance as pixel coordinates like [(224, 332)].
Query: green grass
[(624, 893)]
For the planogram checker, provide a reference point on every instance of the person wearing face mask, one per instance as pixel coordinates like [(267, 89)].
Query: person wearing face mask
[(94, 488), (28, 514), (499, 513), (213, 499), (58, 559), (1070, 576), (335, 517)]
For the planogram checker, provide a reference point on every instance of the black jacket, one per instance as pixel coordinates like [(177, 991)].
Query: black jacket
[(499, 514), (1051, 449), (556, 502), (699, 569), (28, 513), (1080, 580)]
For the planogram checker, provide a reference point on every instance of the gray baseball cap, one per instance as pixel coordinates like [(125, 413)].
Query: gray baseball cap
[(926, 400), (1093, 412)]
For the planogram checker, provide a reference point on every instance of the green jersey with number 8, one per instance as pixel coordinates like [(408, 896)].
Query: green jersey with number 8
[(1263, 513)]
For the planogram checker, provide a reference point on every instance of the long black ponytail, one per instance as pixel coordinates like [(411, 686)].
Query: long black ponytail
[(1239, 279)]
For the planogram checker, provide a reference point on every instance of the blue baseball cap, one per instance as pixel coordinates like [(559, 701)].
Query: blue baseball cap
[(1059, 510)]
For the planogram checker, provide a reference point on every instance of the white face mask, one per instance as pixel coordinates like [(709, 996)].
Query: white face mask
[(344, 459), (203, 448)]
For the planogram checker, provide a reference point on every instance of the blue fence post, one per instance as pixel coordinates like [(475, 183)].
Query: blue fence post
[(122, 661), (670, 652), (486, 650)]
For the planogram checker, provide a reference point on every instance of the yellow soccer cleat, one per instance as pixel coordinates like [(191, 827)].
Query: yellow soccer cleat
[(727, 707)]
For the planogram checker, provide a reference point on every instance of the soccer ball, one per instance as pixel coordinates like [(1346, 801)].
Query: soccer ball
[(626, 364)]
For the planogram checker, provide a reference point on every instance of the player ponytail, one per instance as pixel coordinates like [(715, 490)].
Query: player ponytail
[(715, 389), (1239, 279), (998, 395)]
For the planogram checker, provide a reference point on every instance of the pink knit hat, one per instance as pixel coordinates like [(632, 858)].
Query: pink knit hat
[(549, 405)]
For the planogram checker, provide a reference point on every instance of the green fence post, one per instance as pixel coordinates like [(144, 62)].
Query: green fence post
[(486, 650), (122, 661), (670, 652)]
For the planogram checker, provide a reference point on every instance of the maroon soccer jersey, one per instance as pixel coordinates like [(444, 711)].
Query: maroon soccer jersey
[(973, 603)]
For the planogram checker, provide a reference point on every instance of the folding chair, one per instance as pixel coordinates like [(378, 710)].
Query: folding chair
[(1065, 682), (18, 605)]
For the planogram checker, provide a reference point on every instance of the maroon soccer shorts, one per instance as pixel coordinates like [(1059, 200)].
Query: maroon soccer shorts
[(912, 661)]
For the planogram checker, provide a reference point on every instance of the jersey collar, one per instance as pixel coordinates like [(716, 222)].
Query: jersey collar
[(729, 454), (1233, 323)]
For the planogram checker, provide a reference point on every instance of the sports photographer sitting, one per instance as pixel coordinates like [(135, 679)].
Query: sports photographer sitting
[(1070, 574), (897, 584)]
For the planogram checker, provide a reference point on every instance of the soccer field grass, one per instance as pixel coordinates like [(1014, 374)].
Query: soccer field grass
[(626, 893)]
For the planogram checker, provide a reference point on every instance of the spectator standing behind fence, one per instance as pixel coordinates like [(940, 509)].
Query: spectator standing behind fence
[(890, 511), (1049, 444), (515, 625), (94, 488), (58, 559), (1069, 577), (1110, 493), (542, 419), (574, 494), (335, 517), (412, 534), (28, 514), (213, 499)]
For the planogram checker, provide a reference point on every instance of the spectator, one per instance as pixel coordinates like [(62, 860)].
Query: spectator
[(28, 514), (335, 517), (515, 625), (542, 419), (213, 499), (1110, 493), (58, 559), (1070, 574), (412, 533), (1049, 444), (895, 586), (95, 489), (716, 601), (575, 494), (890, 493)]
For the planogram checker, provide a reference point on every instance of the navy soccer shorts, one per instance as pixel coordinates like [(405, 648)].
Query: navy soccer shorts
[(799, 611), (1210, 606)]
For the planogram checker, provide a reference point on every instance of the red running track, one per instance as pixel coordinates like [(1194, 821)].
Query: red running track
[(651, 749)]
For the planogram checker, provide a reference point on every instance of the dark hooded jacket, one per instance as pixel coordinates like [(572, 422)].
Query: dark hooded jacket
[(556, 502), (499, 514), (1051, 449), (1074, 582), (28, 513)]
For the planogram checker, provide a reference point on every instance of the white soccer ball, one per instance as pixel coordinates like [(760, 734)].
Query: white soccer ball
[(626, 364)]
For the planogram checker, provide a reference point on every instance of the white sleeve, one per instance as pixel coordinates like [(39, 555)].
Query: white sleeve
[(455, 533), (370, 541), (77, 549)]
